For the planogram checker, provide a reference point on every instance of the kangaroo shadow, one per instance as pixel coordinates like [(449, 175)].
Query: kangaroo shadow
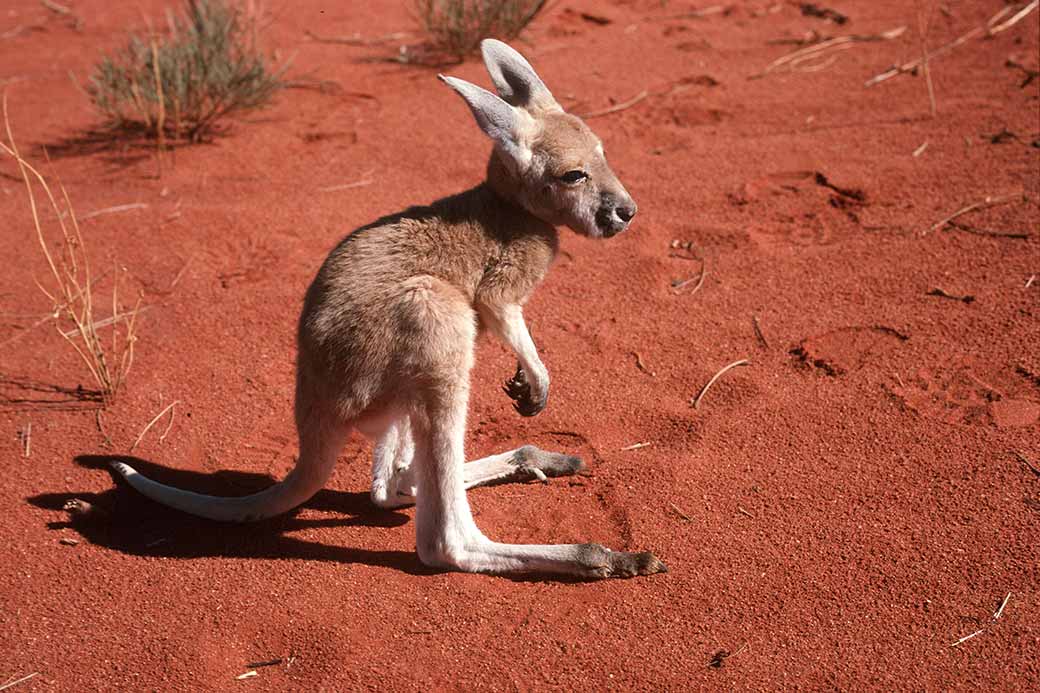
[(124, 520)]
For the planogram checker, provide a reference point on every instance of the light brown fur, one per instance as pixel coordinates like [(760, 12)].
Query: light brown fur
[(387, 334)]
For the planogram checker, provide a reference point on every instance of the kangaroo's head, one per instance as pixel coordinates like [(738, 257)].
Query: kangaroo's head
[(546, 160)]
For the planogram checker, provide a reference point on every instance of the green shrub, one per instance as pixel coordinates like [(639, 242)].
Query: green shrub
[(179, 85), (457, 26)]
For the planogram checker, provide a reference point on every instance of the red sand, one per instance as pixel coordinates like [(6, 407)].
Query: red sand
[(841, 511)]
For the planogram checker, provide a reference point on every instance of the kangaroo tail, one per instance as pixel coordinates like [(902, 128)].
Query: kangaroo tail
[(318, 452)]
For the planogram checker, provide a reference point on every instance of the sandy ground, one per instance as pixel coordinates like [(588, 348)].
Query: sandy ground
[(836, 514)]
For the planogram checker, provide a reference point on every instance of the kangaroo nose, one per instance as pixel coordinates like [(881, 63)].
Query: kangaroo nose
[(626, 212)]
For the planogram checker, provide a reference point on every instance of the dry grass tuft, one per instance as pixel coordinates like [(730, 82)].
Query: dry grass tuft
[(458, 26), (179, 85), (72, 285)]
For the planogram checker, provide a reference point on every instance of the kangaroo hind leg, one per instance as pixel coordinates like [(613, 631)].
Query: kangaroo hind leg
[(526, 463), (393, 478)]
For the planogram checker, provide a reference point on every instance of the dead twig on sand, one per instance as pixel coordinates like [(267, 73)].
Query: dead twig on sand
[(758, 332), (720, 657), (944, 294), (151, 423), (956, 225), (923, 28), (347, 186), (697, 14), (1000, 610), (180, 274), (642, 366), (1022, 458), (114, 210), (75, 21), (618, 107), (356, 39), (25, 435), (704, 390), (988, 201), (680, 513), (1029, 282), (679, 284), (635, 446), (968, 637), (993, 619), (992, 27), (12, 684), (792, 61)]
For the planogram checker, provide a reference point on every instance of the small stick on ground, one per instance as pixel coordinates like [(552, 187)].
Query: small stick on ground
[(642, 366), (719, 658), (814, 51), (704, 390), (958, 226), (248, 675), (347, 186), (265, 663), (113, 210), (745, 512), (758, 332), (680, 512), (1026, 462), (678, 285), (166, 431), (992, 27), (988, 201), (944, 294), (697, 14), (618, 107), (180, 274), (635, 446), (1000, 611), (1029, 282), (151, 423), (920, 150), (64, 11), (21, 680), (25, 436), (356, 39), (923, 28), (967, 638)]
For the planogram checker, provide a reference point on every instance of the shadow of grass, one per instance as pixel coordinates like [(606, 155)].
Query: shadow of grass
[(20, 393), (122, 144)]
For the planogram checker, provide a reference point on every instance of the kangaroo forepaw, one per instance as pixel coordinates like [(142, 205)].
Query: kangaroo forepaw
[(519, 390)]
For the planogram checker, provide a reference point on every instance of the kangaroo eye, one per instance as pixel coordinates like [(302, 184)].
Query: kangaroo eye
[(572, 177)]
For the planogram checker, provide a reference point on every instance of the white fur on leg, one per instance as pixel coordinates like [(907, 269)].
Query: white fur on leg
[(393, 480), (507, 323)]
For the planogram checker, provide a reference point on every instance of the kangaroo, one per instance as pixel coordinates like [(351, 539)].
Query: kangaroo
[(388, 330)]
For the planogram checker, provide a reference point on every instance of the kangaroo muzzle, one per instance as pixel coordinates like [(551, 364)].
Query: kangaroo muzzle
[(615, 213)]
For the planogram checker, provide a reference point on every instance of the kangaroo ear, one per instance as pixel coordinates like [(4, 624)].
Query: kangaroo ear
[(505, 125), (515, 79)]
